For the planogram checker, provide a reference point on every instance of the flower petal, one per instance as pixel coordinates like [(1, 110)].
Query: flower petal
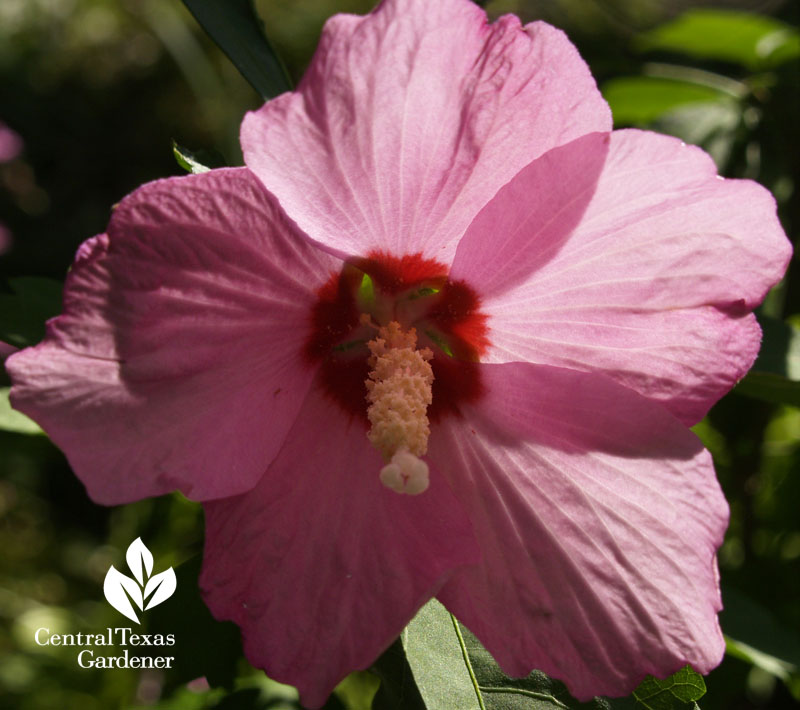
[(599, 516), (10, 143), (526, 223), (177, 362), (410, 119), (652, 286), (320, 564)]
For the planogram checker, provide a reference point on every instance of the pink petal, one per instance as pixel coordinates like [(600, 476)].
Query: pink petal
[(410, 119), (528, 220), (599, 516), (177, 362), (320, 564), (10, 143), (6, 349), (5, 238), (652, 286)]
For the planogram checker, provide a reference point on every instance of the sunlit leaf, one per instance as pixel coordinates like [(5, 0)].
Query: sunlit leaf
[(680, 690), (12, 420), (234, 26), (23, 313), (712, 126), (189, 160), (744, 38), (426, 668), (640, 100), (357, 690)]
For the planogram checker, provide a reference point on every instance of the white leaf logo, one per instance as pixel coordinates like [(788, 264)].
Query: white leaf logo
[(115, 586), (161, 586), (121, 590), (138, 557)]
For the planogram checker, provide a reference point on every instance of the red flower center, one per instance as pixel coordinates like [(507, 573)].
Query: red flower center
[(416, 293)]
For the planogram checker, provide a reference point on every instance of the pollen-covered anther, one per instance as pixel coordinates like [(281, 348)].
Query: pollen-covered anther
[(399, 393)]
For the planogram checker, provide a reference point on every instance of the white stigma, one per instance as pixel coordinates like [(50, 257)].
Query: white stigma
[(399, 392), (405, 473)]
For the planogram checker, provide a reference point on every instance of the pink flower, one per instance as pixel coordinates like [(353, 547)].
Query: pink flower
[(10, 148), (584, 295)]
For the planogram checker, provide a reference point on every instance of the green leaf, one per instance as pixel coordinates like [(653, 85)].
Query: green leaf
[(540, 692), (641, 100), (499, 692), (190, 160), (710, 125), (12, 420), (437, 664), (775, 376), (235, 27), (680, 690), (769, 387), (754, 41), (754, 635), (23, 313), (426, 669), (357, 691)]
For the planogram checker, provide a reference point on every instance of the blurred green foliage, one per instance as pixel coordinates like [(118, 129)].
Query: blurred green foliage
[(100, 89)]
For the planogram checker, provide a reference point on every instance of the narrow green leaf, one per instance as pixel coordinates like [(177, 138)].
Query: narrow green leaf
[(769, 387), (754, 41), (775, 376), (765, 661), (235, 27), (188, 160), (754, 635), (12, 420), (640, 100), (23, 313), (780, 348)]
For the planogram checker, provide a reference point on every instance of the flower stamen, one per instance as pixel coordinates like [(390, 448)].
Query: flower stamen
[(399, 391)]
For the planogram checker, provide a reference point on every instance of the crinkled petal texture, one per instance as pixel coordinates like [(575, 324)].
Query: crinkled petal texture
[(359, 559), (640, 263), (598, 515), (175, 363), (411, 118)]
